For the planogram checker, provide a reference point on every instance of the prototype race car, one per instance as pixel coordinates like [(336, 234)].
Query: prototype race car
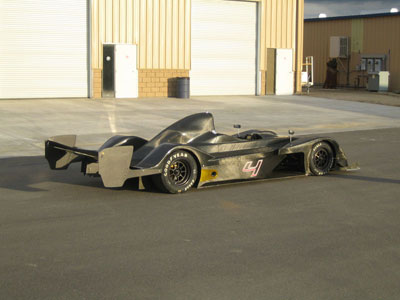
[(190, 153)]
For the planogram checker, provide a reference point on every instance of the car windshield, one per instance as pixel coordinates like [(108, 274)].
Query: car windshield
[(185, 129)]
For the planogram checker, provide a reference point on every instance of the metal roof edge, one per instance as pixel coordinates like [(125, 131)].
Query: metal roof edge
[(353, 17)]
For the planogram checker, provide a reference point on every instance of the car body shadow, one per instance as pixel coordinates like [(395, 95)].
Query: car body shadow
[(365, 178), (28, 173)]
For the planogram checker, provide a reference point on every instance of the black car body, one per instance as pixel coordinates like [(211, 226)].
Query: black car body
[(191, 153)]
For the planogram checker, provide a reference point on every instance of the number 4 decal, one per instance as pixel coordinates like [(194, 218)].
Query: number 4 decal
[(248, 168)]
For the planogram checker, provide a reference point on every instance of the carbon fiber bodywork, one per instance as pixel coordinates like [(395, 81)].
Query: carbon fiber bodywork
[(249, 155)]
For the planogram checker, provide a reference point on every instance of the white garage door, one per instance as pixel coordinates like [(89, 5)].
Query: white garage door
[(223, 47), (43, 48)]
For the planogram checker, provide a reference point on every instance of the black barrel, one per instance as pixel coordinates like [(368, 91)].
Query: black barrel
[(183, 87)]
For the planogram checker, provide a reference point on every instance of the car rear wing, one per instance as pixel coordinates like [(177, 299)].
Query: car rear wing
[(112, 164), (60, 152)]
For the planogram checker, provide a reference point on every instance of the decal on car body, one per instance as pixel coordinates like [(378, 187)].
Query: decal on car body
[(248, 168)]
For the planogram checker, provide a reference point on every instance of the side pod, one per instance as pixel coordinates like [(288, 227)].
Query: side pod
[(114, 165), (305, 146)]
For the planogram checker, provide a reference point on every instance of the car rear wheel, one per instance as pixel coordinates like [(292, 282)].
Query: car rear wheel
[(321, 158), (178, 174)]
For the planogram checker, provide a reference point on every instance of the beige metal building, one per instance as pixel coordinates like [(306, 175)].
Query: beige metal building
[(56, 49), (214, 42), (373, 45)]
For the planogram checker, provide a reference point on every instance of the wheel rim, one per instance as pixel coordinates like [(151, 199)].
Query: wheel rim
[(321, 159), (179, 172)]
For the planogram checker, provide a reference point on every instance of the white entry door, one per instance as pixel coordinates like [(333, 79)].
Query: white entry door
[(126, 74), (284, 81), (224, 41)]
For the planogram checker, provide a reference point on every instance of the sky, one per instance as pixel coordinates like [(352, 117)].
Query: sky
[(334, 8)]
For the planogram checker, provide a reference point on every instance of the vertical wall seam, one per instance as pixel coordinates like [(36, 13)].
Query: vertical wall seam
[(159, 34), (126, 22), (151, 54), (184, 34), (112, 20)]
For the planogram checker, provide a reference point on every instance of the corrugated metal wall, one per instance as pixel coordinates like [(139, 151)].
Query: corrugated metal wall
[(379, 35), (382, 35), (299, 43), (160, 28), (278, 26), (316, 42), (282, 27)]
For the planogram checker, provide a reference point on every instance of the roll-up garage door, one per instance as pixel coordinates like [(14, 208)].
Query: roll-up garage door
[(223, 47), (43, 48)]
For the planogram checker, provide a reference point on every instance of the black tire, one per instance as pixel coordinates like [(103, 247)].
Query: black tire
[(178, 174), (321, 158)]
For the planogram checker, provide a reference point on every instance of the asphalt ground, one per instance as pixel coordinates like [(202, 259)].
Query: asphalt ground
[(64, 236)]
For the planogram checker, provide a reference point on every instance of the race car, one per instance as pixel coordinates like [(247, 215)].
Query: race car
[(190, 153)]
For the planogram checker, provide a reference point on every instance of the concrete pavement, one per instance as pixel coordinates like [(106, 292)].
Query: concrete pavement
[(25, 124), (360, 95)]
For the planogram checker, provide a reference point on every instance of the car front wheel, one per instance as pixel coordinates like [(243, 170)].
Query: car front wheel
[(178, 174), (321, 158)]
